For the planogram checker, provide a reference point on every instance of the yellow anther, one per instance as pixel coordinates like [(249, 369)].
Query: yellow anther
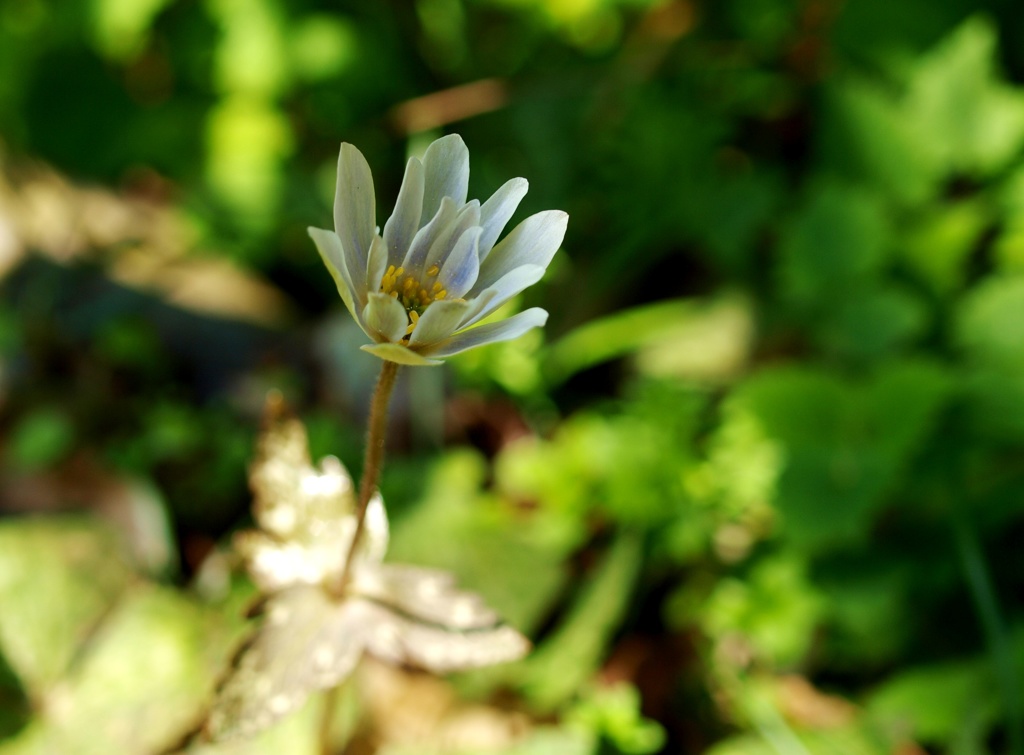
[(414, 317), (413, 293)]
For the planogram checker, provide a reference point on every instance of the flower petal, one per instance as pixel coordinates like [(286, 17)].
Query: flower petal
[(459, 272), (446, 166), (425, 237), (497, 211), (376, 264), (405, 220), (501, 291), (354, 211), (329, 246), (438, 321), (532, 242), (444, 244), (385, 317), (505, 330), (394, 352)]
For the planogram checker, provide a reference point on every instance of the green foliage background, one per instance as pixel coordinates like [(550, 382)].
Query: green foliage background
[(757, 488)]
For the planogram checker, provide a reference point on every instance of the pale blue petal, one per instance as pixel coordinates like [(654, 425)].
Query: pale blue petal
[(444, 244), (438, 321), (424, 239), (354, 211), (532, 242), (497, 211), (329, 246), (504, 330), (501, 291), (459, 272), (385, 318), (393, 352), (376, 264), (446, 165), (405, 220)]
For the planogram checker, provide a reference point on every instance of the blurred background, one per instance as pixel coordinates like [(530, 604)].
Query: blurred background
[(757, 488)]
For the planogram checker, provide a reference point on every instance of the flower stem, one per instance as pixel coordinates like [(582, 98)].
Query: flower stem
[(979, 581), (373, 461)]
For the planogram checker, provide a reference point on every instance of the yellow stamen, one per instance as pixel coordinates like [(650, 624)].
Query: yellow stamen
[(414, 293), (414, 317)]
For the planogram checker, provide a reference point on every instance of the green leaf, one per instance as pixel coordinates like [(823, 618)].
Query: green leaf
[(122, 26), (844, 443), (614, 336), (41, 439), (58, 579), (989, 329), (878, 321), (867, 136), (839, 237), (775, 608), (972, 122), (935, 702), (990, 323), (514, 562), (938, 242), (143, 680), (612, 716), (554, 673)]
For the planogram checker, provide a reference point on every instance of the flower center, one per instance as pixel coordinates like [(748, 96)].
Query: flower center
[(414, 294)]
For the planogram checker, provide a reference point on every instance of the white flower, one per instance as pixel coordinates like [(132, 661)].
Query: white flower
[(418, 289), (312, 638)]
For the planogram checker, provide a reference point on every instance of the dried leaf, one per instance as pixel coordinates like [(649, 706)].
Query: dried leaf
[(312, 637)]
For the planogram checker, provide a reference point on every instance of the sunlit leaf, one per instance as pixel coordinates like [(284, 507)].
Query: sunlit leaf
[(140, 681), (313, 630), (936, 702), (937, 243), (972, 121), (58, 579), (568, 659)]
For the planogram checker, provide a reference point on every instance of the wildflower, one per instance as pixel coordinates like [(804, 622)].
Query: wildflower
[(313, 633), (418, 289)]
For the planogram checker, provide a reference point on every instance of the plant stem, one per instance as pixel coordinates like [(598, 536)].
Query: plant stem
[(373, 461), (330, 702), (979, 582)]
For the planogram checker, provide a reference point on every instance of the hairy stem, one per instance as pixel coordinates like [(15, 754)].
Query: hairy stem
[(373, 461)]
